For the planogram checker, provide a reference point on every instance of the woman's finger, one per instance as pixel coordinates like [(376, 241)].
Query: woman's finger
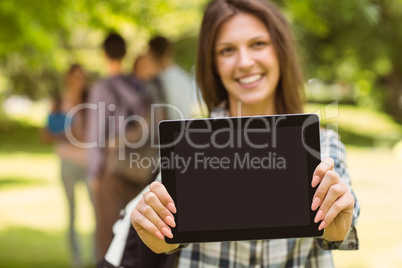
[(325, 165), (139, 221), (148, 212), (154, 206), (330, 178), (335, 191), (344, 202), (163, 195)]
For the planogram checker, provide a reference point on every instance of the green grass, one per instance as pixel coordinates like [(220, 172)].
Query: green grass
[(27, 247), (33, 215), (16, 136), (33, 207), (30, 247), (16, 182)]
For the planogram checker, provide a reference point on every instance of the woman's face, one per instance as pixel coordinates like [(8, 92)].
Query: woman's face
[(146, 68), (77, 79), (246, 61)]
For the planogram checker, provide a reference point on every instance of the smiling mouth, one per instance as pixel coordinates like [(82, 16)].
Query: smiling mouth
[(250, 79)]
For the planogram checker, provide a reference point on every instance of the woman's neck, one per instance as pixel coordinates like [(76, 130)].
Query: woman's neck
[(238, 109)]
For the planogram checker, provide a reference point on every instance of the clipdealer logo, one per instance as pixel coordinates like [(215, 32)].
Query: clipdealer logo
[(200, 161), (330, 112)]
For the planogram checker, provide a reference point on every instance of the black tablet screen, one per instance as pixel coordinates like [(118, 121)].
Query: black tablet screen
[(224, 181)]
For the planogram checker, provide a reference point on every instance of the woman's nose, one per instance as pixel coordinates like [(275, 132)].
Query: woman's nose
[(246, 60)]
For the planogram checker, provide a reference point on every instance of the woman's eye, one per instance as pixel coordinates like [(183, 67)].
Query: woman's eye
[(259, 44), (226, 51)]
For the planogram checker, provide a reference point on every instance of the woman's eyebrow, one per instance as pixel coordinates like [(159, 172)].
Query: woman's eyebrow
[(223, 44), (262, 36)]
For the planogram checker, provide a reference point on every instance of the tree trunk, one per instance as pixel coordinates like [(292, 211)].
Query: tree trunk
[(392, 101)]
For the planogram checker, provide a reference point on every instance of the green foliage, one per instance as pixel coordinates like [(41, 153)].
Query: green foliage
[(39, 39), (352, 43), (186, 50), (29, 31)]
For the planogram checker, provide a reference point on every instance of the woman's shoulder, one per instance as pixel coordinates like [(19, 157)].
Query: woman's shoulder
[(221, 110), (331, 145), (328, 135)]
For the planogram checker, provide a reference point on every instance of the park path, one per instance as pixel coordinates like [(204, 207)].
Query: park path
[(377, 179)]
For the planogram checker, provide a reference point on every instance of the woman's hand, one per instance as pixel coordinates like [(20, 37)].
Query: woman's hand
[(152, 218), (333, 200)]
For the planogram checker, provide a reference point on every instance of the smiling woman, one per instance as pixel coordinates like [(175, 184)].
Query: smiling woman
[(257, 52), (247, 64)]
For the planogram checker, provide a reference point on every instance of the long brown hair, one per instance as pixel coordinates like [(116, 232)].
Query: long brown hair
[(74, 67), (289, 96)]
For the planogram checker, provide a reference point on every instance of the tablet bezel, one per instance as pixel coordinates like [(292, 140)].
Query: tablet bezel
[(311, 136)]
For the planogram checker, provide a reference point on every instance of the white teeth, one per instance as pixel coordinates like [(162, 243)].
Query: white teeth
[(250, 79)]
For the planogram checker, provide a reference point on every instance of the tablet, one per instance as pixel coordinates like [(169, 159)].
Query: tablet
[(243, 178)]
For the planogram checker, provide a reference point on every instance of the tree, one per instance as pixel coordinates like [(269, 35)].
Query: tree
[(357, 42), (39, 39)]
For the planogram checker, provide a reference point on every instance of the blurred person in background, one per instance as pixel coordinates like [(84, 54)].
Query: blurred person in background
[(115, 97), (145, 72), (145, 68), (167, 83), (73, 159), (178, 87)]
